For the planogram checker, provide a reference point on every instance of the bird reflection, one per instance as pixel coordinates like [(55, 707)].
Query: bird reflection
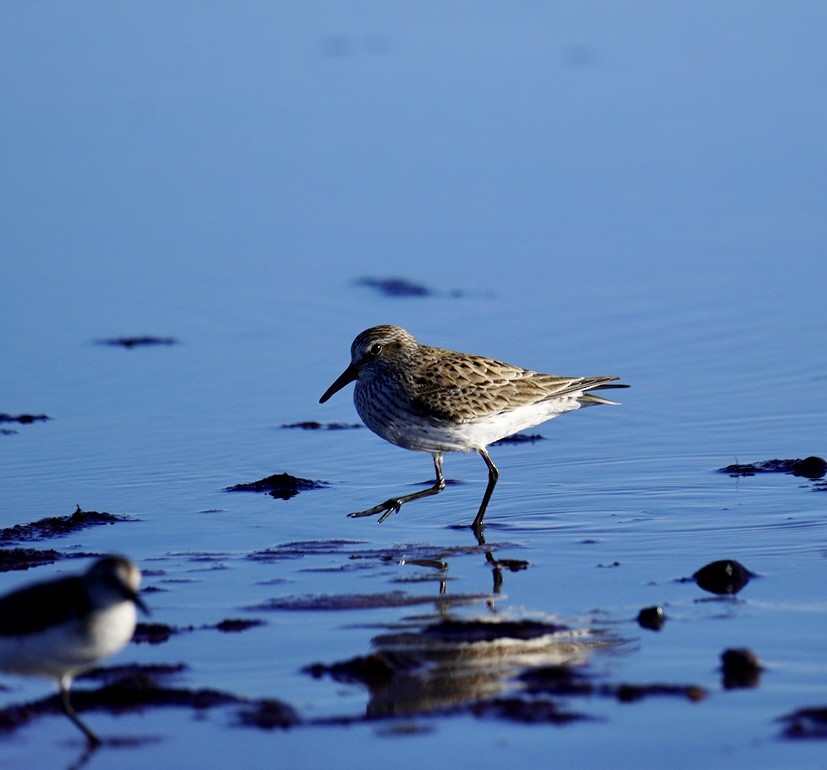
[(437, 664)]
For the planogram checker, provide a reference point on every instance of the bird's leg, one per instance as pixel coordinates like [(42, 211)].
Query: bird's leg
[(395, 503), (493, 475), (91, 738)]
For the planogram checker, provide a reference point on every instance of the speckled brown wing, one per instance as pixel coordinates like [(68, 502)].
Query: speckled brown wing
[(465, 387)]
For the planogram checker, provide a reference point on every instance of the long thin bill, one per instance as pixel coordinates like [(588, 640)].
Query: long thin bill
[(348, 375)]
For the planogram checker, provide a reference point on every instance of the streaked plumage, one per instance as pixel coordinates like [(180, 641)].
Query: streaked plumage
[(433, 400), (62, 627)]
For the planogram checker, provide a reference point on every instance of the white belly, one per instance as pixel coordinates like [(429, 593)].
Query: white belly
[(71, 647), (428, 435)]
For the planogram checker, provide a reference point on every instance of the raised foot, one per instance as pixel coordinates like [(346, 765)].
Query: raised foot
[(386, 509)]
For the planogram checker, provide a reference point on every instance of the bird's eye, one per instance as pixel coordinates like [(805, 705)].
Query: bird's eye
[(375, 349)]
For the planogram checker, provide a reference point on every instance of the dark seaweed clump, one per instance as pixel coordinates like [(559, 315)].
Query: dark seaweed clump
[(42, 529), (55, 526), (740, 668), (134, 688), (812, 468), (23, 419), (396, 287), (281, 486), (137, 342), (158, 633), (806, 723), (313, 425), (26, 558)]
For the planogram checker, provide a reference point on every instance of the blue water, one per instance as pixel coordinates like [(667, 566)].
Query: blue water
[(630, 189)]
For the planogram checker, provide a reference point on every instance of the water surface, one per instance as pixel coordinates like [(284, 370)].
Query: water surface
[(602, 190)]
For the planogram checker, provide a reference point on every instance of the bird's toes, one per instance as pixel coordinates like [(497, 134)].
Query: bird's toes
[(392, 506), (386, 509)]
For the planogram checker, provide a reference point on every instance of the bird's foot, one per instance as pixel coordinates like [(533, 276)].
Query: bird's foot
[(386, 509)]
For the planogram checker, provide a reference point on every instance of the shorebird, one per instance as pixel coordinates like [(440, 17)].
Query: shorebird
[(62, 627), (428, 399)]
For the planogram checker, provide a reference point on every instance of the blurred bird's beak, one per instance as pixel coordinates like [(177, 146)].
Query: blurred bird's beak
[(140, 603)]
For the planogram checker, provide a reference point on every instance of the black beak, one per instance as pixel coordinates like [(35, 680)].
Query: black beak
[(139, 602), (348, 375)]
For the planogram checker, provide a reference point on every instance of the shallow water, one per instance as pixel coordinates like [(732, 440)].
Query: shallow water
[(592, 191)]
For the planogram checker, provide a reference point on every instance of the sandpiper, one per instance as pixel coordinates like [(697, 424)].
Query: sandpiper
[(433, 400), (62, 627)]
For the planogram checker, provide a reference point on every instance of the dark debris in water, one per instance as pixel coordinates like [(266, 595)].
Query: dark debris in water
[(235, 625), (268, 714), (651, 618), (725, 576), (396, 287), (23, 419), (136, 688), (56, 526), (629, 693), (557, 679), (563, 680), (25, 558), (137, 342), (812, 468), (740, 668), (405, 554), (138, 691), (281, 486), (155, 671), (362, 601), (422, 555), (299, 549), (527, 711), (375, 670), (404, 288), (314, 425), (154, 633), (158, 633), (806, 723)]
